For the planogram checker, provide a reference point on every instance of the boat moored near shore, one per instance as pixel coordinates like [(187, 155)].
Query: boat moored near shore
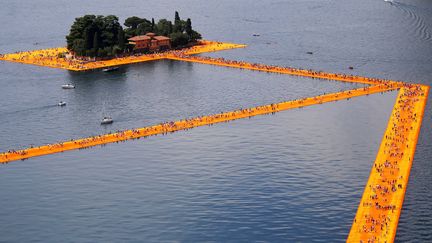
[(110, 69), (68, 86)]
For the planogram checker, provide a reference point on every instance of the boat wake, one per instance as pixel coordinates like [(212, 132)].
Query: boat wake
[(28, 110), (420, 27)]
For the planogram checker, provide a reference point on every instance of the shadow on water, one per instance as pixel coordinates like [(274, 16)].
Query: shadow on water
[(77, 78)]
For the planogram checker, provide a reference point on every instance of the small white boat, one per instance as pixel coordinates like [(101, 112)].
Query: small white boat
[(61, 103), (68, 86), (110, 69), (107, 120), (389, 1)]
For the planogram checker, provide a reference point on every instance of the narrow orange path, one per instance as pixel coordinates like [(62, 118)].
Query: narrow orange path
[(187, 124), (179, 56), (381, 204)]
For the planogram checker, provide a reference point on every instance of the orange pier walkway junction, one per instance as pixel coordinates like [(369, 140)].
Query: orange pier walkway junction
[(378, 214)]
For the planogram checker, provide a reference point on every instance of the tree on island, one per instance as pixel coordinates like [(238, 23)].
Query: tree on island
[(93, 35), (137, 26), (103, 36)]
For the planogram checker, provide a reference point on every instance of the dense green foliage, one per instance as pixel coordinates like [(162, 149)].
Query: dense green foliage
[(103, 36), (181, 32), (92, 35)]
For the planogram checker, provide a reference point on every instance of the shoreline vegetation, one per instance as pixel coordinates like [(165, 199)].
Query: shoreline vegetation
[(103, 37)]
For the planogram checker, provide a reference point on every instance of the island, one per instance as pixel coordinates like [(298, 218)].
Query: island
[(103, 37), (97, 42)]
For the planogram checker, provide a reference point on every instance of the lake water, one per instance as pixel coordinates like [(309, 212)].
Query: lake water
[(297, 175)]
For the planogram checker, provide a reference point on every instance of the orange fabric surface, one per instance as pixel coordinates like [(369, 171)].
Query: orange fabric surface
[(381, 204)]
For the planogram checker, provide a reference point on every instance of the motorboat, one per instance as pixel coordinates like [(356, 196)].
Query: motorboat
[(350, 67), (309, 52), (389, 1), (255, 34), (107, 120), (61, 103), (68, 86), (110, 69)]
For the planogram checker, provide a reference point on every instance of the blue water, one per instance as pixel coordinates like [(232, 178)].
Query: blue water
[(296, 176)]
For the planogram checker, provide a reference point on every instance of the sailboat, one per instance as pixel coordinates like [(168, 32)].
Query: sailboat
[(106, 119)]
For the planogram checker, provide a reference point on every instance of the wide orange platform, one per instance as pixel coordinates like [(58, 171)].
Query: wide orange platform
[(53, 57)]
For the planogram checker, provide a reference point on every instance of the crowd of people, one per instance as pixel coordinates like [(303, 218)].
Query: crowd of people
[(60, 57), (186, 56), (389, 175), (390, 172), (172, 126), (57, 58), (46, 57)]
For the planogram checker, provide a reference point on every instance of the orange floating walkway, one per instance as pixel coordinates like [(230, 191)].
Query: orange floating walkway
[(53, 57), (276, 69), (187, 124), (381, 204), (380, 207)]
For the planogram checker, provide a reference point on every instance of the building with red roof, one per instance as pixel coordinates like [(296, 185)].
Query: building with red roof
[(150, 42)]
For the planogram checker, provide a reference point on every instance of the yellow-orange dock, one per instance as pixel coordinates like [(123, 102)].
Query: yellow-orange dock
[(380, 207), (54, 57), (276, 69), (381, 204)]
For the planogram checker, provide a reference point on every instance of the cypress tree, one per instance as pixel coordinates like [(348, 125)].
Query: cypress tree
[(188, 27), (121, 38), (176, 18), (177, 22), (96, 42)]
